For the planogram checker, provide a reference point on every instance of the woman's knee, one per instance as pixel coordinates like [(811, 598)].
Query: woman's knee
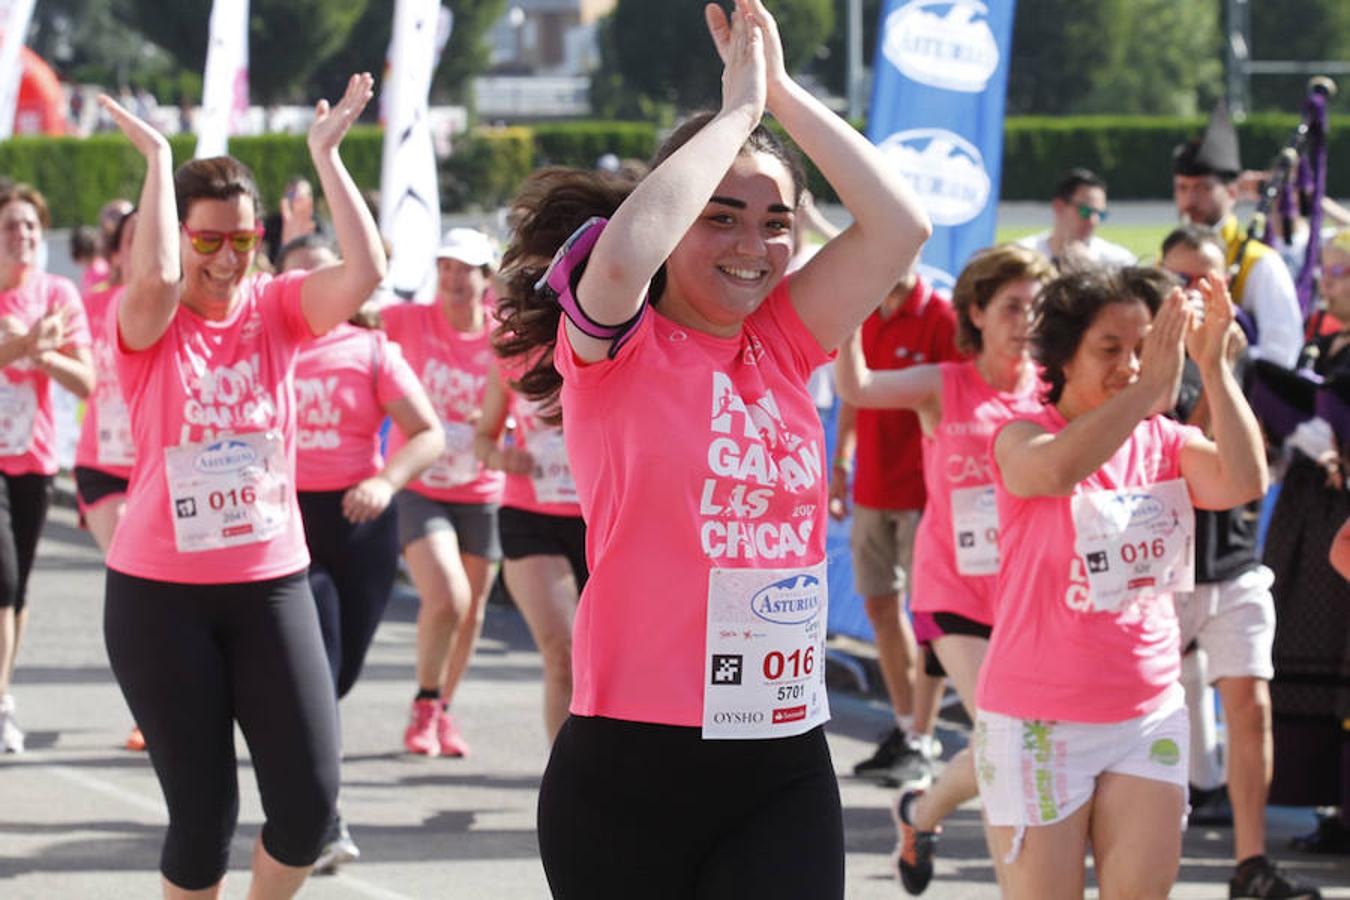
[(298, 824)]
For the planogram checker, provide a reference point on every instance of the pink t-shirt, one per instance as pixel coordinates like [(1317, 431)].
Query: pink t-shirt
[(1052, 656), (201, 381), (452, 367), (956, 458), (105, 441), (343, 382), (27, 429), (549, 454), (690, 452)]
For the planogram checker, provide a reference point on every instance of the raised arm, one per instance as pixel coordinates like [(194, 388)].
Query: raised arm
[(1036, 463), (1230, 470), (332, 295), (154, 275), (918, 388), (652, 220), (889, 226)]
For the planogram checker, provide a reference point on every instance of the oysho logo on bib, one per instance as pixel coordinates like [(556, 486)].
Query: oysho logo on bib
[(791, 601), (946, 171), (226, 455), (943, 44)]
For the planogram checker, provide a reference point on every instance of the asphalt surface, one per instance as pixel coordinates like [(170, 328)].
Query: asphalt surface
[(82, 817)]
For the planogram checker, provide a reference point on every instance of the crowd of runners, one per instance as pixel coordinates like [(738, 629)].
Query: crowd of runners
[(1057, 465)]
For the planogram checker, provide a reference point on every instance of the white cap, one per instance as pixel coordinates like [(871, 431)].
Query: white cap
[(468, 245)]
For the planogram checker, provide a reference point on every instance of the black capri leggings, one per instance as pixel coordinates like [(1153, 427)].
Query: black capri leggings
[(351, 572), (629, 809), (192, 659), (23, 511)]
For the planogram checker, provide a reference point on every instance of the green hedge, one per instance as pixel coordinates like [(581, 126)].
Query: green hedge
[(1132, 153)]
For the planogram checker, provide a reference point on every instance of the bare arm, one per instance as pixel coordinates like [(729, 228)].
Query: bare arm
[(918, 388), (1036, 463), (70, 367), (1230, 470), (154, 274), (845, 443), (414, 417), (331, 295), (1340, 551), (487, 445)]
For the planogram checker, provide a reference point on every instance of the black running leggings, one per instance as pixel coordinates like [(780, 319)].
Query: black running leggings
[(192, 659), (351, 572), (23, 511), (628, 809)]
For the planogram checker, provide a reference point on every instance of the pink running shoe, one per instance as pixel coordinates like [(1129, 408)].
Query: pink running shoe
[(451, 741), (420, 738)]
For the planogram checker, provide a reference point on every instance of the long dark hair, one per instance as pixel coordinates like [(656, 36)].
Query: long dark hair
[(551, 205)]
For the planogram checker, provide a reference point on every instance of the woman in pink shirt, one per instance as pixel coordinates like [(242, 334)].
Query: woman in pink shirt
[(1081, 731), (956, 547), (542, 533), (447, 517), (208, 617), (44, 337), (346, 383), (694, 762)]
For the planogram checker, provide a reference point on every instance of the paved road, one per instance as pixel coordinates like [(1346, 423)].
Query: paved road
[(80, 817)]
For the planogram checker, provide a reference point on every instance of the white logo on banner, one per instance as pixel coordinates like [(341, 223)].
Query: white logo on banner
[(955, 51), (946, 171), (939, 280)]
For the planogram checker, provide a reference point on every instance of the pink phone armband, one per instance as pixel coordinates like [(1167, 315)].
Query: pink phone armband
[(560, 280)]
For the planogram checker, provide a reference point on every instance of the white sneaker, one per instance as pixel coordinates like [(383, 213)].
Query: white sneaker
[(11, 738)]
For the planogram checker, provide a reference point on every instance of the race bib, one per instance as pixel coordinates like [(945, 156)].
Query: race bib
[(18, 412), (1135, 542), (457, 464), (552, 474), (765, 656), (975, 530), (115, 445), (229, 491)]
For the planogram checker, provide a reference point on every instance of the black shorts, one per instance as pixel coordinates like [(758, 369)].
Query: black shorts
[(951, 623), (525, 533), (92, 486)]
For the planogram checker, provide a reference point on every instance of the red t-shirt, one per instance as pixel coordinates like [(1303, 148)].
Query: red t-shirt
[(890, 453)]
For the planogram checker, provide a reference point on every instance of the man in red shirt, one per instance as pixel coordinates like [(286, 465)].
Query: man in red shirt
[(913, 325)]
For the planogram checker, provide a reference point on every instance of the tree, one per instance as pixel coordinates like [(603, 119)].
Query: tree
[(287, 38), (465, 56), (658, 52), (1298, 30)]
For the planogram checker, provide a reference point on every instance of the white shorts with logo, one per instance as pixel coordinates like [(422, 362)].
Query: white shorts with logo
[(1233, 622), (1036, 772)]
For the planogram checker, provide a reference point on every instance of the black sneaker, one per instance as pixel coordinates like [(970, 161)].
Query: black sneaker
[(915, 849), (1260, 879), (897, 762)]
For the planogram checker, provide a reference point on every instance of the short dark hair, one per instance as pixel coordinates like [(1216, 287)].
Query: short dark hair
[(1193, 237), (1075, 178), (83, 243), (311, 241), (1070, 304), (214, 178)]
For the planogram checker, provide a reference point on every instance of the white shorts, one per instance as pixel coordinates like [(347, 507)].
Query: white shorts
[(1034, 772), (1233, 622)]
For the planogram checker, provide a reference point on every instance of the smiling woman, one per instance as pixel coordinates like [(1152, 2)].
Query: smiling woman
[(678, 353)]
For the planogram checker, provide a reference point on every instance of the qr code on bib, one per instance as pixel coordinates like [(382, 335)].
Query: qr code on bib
[(726, 669)]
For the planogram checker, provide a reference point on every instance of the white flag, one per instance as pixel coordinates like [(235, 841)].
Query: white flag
[(225, 83), (14, 18), (410, 207)]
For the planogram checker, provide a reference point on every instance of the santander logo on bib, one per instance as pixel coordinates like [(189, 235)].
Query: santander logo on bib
[(946, 171), (943, 44)]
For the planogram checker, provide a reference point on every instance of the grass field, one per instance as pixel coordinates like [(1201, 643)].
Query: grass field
[(1142, 240)]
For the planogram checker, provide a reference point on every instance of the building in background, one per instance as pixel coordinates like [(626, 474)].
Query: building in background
[(543, 52)]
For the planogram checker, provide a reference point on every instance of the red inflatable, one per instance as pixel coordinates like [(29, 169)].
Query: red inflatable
[(42, 102)]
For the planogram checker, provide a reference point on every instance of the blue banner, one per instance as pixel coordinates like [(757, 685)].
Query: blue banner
[(941, 76)]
